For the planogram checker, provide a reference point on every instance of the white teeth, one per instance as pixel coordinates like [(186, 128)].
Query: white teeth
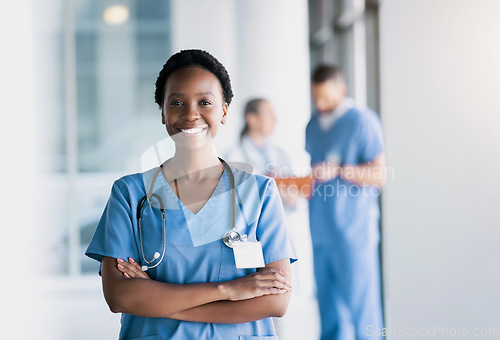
[(192, 130)]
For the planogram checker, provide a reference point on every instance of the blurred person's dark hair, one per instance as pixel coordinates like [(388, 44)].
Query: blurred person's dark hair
[(326, 72), (252, 107), (197, 58)]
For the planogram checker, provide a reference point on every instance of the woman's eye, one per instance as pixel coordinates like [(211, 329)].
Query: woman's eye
[(175, 103), (205, 102)]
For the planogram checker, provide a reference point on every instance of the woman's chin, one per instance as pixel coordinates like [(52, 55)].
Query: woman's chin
[(192, 143)]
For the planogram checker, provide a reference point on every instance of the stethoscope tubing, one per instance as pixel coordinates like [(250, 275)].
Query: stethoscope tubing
[(229, 238)]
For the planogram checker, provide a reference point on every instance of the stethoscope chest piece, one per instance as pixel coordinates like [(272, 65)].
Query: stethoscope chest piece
[(231, 237)]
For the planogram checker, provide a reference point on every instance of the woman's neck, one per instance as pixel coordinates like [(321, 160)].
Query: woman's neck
[(193, 164)]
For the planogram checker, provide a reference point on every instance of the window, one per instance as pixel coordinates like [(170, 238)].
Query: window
[(115, 61)]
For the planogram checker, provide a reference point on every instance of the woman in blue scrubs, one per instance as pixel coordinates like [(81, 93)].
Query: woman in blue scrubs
[(196, 292)]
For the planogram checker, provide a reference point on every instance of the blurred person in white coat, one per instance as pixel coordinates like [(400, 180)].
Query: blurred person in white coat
[(254, 147)]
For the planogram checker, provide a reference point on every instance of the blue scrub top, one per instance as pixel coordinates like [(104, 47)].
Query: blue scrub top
[(263, 219), (341, 212)]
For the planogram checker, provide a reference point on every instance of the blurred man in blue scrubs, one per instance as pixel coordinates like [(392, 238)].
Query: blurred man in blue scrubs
[(348, 167)]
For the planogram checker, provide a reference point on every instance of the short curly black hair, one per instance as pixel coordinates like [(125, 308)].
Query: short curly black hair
[(198, 58)]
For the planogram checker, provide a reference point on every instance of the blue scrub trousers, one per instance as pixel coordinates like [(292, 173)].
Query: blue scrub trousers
[(348, 291)]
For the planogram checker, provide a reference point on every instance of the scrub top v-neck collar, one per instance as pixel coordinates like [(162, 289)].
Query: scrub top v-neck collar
[(208, 224), (219, 189)]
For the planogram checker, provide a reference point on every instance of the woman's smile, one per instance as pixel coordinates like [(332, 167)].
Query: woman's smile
[(193, 132)]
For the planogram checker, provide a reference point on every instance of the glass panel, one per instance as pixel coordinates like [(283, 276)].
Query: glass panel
[(116, 68)]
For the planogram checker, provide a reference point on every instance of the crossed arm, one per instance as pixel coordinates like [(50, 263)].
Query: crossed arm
[(266, 293)]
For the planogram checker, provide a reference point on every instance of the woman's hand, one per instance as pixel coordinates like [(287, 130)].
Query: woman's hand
[(131, 269), (267, 281)]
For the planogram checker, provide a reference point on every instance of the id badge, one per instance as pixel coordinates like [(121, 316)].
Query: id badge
[(248, 255)]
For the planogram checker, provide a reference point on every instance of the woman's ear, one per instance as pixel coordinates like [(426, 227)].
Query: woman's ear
[(224, 113), (162, 116)]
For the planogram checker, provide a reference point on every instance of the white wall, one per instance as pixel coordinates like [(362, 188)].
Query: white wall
[(18, 133), (440, 83), (273, 59)]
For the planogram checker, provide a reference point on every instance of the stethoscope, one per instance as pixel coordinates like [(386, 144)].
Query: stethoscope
[(229, 238)]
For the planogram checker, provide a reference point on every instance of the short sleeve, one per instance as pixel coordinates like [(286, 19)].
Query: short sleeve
[(272, 230), (114, 235), (370, 135)]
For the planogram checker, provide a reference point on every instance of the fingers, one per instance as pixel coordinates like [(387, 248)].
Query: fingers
[(131, 269), (276, 276), (275, 291), (266, 281), (273, 281), (137, 269), (273, 285)]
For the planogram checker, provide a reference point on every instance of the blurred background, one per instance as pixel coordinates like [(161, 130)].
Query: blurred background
[(78, 111)]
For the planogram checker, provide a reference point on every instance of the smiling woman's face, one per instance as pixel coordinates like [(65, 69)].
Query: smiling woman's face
[(194, 107)]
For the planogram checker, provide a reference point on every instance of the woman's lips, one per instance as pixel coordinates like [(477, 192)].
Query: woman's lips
[(193, 131)]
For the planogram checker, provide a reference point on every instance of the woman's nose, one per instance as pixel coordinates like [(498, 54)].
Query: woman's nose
[(191, 112)]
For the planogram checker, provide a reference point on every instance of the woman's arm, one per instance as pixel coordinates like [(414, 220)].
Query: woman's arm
[(140, 297), (148, 298), (241, 311), (245, 310)]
